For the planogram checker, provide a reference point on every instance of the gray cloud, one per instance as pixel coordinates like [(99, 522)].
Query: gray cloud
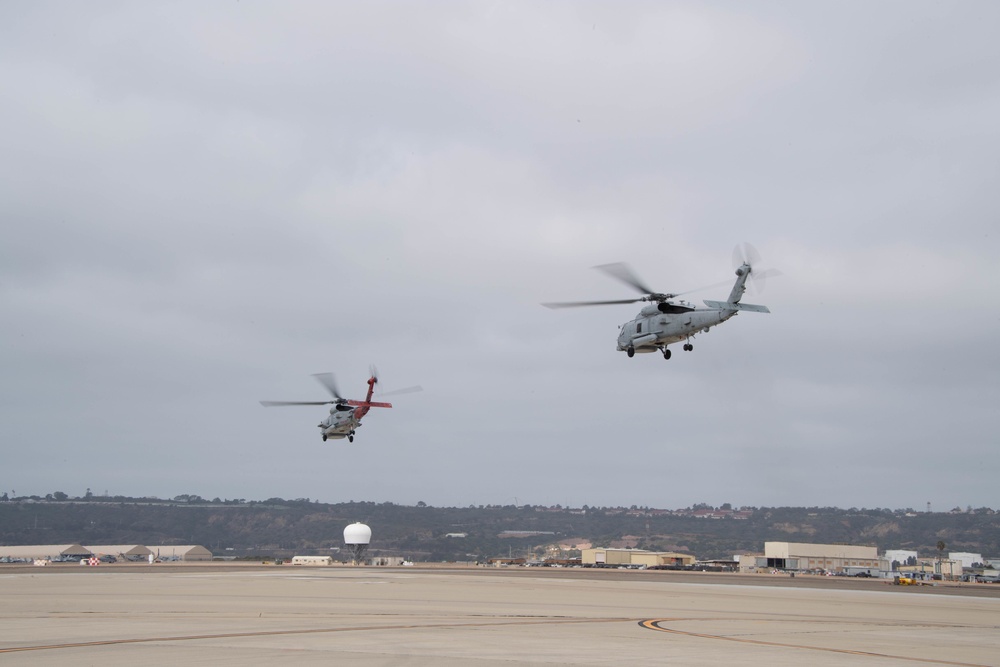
[(206, 204)]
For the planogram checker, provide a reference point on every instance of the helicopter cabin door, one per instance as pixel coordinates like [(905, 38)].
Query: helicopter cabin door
[(630, 330)]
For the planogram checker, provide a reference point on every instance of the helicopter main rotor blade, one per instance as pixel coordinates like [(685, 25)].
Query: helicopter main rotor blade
[(271, 404), (326, 379), (624, 273), (724, 283), (576, 304)]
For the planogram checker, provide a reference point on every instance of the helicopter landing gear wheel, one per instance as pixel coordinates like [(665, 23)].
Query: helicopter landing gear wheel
[(666, 353), (324, 438), (630, 351), (350, 438), (688, 347)]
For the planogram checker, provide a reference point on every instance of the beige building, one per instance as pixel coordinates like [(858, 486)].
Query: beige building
[(135, 552), (633, 558), (120, 551), (186, 552), (829, 557), (949, 569), (45, 551)]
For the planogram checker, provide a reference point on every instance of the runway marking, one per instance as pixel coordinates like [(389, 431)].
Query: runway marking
[(274, 633), (654, 624)]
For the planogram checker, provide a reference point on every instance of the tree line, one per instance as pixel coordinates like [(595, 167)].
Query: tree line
[(303, 526)]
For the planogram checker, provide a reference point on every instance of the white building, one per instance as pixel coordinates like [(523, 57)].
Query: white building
[(965, 558), (901, 556), (312, 560)]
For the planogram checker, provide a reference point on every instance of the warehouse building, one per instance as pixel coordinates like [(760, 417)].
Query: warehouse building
[(45, 552), (312, 560), (828, 557), (186, 552), (966, 559), (900, 557), (633, 558), (930, 568), (123, 552)]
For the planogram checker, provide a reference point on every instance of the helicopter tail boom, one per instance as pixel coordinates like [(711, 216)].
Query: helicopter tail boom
[(729, 305), (368, 404)]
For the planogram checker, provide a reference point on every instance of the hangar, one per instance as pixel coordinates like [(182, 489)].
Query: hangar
[(186, 552), (46, 552), (829, 557), (633, 558), (134, 552)]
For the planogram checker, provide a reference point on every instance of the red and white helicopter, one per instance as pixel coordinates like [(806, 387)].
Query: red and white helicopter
[(345, 414)]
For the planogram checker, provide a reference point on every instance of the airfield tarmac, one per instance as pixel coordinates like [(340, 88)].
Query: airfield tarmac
[(481, 617)]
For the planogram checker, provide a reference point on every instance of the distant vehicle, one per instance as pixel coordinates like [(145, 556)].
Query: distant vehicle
[(346, 414), (669, 320), (108, 558)]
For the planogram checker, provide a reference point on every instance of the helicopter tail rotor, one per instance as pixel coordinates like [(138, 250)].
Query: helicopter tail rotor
[(393, 392), (746, 254)]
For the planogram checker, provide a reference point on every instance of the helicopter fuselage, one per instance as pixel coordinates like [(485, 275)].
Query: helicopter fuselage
[(342, 421), (651, 330), (670, 321), (667, 319)]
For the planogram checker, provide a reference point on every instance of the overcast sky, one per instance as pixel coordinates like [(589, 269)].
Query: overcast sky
[(205, 203)]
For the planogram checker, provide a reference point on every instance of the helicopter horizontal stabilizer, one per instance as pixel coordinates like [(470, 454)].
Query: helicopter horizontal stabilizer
[(729, 305)]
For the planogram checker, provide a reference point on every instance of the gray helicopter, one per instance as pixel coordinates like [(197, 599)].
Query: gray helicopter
[(670, 320)]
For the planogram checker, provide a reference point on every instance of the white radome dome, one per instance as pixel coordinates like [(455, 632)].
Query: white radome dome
[(357, 533)]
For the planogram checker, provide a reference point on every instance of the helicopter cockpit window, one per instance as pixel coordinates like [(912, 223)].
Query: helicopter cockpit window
[(638, 327)]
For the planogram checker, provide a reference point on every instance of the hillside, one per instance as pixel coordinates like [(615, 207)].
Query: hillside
[(283, 527)]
